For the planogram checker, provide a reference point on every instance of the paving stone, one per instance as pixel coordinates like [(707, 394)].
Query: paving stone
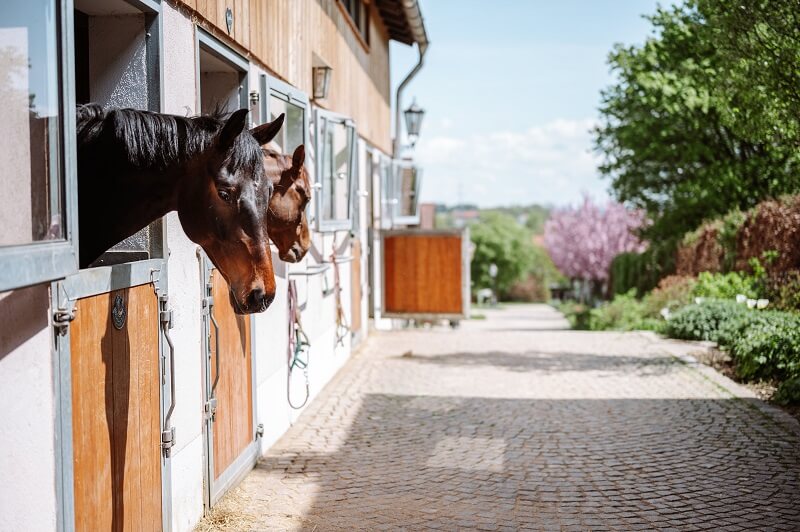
[(509, 423)]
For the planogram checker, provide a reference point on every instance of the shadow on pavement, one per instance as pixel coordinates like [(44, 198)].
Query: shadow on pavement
[(551, 362), (420, 462)]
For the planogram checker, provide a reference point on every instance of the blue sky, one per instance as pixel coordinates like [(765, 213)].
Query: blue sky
[(511, 89)]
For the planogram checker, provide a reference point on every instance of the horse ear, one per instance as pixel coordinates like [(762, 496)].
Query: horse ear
[(232, 128), (266, 132), (299, 157)]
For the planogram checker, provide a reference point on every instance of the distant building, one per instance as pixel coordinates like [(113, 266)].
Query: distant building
[(462, 218)]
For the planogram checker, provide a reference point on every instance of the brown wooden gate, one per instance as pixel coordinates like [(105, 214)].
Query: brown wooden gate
[(116, 411), (233, 418), (425, 273), (230, 435)]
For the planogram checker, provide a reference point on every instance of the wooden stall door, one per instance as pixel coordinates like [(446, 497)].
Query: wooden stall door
[(233, 421), (423, 274), (355, 290), (115, 413)]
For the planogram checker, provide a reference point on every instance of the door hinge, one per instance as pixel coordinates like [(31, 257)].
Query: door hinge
[(211, 408), (260, 430), (167, 441)]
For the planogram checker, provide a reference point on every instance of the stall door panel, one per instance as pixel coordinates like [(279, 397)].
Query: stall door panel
[(423, 274), (233, 421), (355, 290), (115, 413)]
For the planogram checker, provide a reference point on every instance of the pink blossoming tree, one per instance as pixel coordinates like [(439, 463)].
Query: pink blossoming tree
[(583, 241)]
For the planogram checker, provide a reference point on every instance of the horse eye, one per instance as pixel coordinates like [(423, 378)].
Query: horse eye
[(224, 195)]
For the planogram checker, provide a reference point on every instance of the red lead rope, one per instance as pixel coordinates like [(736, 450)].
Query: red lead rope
[(342, 328), (298, 346)]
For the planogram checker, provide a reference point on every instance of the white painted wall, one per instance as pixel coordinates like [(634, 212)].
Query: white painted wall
[(185, 292), (27, 439)]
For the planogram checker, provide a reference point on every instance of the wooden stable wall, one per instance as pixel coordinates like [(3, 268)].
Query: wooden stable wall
[(284, 35), (423, 273)]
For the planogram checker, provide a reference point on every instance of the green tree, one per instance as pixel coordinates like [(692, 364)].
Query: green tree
[(758, 42), (499, 239), (673, 132)]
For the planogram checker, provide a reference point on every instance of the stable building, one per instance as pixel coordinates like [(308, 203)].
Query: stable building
[(135, 396)]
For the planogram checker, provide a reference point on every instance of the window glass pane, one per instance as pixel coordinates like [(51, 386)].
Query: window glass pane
[(291, 134), (30, 205), (336, 151), (276, 107)]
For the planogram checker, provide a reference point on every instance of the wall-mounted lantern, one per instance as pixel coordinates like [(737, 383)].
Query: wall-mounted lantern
[(321, 81), (414, 115)]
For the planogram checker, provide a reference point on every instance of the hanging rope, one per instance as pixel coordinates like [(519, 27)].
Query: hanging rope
[(342, 328), (298, 351)]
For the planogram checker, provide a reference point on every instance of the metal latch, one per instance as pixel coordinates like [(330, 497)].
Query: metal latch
[(166, 318), (167, 441), (211, 408), (62, 319)]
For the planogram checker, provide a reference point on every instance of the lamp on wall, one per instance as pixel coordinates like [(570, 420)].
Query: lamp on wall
[(321, 81), (414, 115)]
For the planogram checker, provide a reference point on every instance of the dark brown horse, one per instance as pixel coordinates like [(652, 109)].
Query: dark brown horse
[(136, 166), (288, 225)]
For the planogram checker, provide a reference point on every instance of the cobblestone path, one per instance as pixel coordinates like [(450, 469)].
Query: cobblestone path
[(514, 423)]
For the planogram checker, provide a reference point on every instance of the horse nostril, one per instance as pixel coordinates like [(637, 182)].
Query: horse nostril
[(258, 300)]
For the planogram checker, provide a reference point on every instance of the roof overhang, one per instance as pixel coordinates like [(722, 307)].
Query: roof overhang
[(403, 19)]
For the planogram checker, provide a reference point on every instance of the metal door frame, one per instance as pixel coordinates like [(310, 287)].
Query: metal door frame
[(94, 281), (214, 489)]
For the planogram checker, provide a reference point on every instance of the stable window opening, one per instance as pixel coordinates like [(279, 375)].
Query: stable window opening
[(336, 151), (116, 66)]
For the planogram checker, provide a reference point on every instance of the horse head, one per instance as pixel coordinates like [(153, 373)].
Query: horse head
[(288, 225), (225, 210)]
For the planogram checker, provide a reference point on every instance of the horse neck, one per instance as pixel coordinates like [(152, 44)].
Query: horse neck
[(119, 194)]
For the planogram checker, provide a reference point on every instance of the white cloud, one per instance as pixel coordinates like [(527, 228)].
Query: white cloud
[(552, 163)]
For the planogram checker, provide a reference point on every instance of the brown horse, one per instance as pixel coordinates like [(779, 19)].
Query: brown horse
[(287, 222), (136, 166)]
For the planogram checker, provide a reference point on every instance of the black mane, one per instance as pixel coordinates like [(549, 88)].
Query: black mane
[(156, 141)]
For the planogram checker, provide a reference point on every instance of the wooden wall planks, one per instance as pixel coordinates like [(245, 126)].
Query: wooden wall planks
[(355, 287), (233, 422), (422, 274), (285, 35), (116, 413)]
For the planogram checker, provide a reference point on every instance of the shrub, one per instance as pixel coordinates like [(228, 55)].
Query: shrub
[(641, 271), (769, 347), (700, 250), (531, 288), (788, 392), (772, 225), (783, 290), (577, 314), (725, 285), (672, 292), (623, 313), (703, 321)]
